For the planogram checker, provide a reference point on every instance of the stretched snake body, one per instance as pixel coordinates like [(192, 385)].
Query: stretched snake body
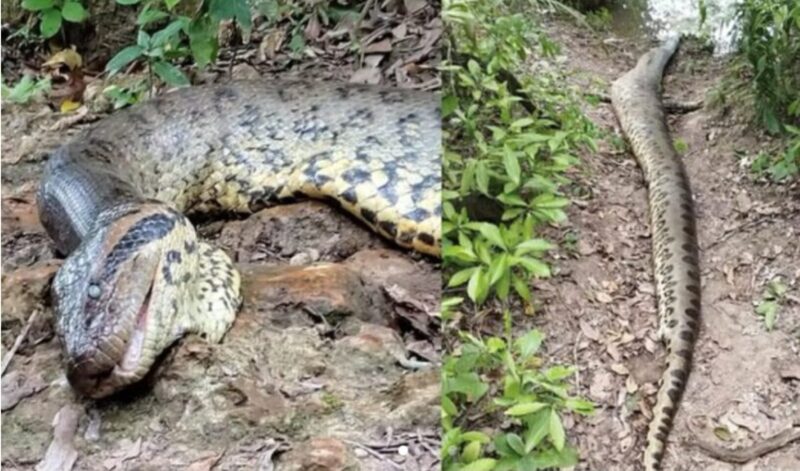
[(636, 101), (114, 199)]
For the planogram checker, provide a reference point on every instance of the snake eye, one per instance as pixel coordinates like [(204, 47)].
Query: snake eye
[(94, 291)]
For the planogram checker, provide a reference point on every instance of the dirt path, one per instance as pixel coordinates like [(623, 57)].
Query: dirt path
[(600, 309)]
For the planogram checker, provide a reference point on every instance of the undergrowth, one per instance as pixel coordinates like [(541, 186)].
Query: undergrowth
[(766, 76), (510, 139)]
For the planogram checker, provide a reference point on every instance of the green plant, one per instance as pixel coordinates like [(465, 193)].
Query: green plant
[(495, 146), (769, 41), (531, 400), (122, 96), (783, 163), (771, 301), (26, 89), (52, 13), (179, 36)]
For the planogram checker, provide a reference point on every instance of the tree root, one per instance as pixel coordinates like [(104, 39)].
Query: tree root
[(748, 453)]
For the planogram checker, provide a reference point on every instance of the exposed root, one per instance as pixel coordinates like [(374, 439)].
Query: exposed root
[(745, 454)]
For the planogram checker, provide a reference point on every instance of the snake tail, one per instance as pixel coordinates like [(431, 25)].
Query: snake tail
[(636, 99)]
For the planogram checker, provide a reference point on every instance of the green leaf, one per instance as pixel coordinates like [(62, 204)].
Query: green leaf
[(483, 464), (149, 15), (143, 39), (449, 407), (558, 373), (170, 4), (37, 5), (123, 58), (128, 2), (521, 287), (533, 245), (581, 406), (449, 104), (537, 428), (50, 23), (26, 89), (492, 234), (512, 166), (557, 436), (768, 309), (476, 437), (515, 442), (170, 74), (203, 41), (461, 277), (534, 267), (529, 343), (477, 288), (297, 43), (525, 409), (231, 9), (471, 452), (170, 32), (74, 12)]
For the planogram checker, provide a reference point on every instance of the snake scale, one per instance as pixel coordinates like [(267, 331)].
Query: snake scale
[(636, 101), (116, 198)]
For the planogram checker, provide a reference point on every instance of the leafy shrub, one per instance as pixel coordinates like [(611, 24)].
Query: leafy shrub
[(532, 399), (770, 42), (52, 13), (501, 145)]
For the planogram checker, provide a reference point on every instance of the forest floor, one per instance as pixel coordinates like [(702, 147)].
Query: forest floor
[(599, 310), (314, 373)]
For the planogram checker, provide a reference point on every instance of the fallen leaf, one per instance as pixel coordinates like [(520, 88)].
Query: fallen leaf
[(17, 387), (368, 75), (68, 106), (603, 297), (68, 57), (61, 454), (589, 331), (619, 369), (379, 47)]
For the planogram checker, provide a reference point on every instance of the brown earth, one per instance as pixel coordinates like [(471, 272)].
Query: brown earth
[(330, 365), (600, 312)]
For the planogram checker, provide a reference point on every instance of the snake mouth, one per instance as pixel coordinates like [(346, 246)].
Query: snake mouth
[(116, 361)]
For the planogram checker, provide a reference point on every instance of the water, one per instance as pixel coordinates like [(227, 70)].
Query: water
[(659, 18)]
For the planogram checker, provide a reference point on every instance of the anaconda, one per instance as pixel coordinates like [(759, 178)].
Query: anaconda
[(116, 200), (636, 100)]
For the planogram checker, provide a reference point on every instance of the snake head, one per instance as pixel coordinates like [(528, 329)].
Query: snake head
[(112, 304)]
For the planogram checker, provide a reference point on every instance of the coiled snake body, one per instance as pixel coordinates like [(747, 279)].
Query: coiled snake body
[(114, 199), (636, 100)]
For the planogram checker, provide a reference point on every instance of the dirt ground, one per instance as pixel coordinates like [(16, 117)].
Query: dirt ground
[(332, 364), (600, 309)]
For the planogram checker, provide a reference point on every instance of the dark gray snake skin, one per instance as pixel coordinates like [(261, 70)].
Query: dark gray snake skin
[(636, 100), (137, 278)]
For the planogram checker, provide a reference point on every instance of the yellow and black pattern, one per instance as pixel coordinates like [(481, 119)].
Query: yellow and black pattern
[(118, 195), (636, 100)]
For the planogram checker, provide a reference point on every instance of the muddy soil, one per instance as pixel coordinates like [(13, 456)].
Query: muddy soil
[(600, 308), (332, 363)]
